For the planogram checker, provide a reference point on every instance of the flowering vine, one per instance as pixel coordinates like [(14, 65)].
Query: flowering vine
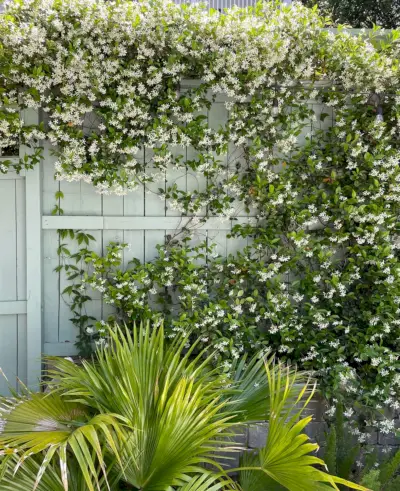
[(125, 88)]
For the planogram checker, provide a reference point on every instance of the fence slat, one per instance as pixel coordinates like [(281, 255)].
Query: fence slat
[(33, 264), (8, 352)]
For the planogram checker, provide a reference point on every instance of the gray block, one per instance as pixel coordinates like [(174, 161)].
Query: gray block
[(240, 436), (228, 460), (372, 437), (316, 408), (385, 451), (258, 435), (316, 432), (389, 439)]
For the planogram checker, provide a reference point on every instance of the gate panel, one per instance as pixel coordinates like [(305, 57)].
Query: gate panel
[(12, 281)]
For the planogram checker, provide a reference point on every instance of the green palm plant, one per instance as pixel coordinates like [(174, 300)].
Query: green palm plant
[(286, 461), (53, 425), (26, 477), (149, 414), (171, 401)]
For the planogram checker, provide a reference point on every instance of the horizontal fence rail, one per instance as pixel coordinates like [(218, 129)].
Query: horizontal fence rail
[(136, 223)]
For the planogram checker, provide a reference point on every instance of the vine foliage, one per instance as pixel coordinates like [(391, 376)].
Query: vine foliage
[(317, 192)]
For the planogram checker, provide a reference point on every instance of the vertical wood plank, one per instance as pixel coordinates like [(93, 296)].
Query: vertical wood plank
[(154, 206), (176, 176), (134, 201), (49, 185), (51, 286), (153, 238), (8, 352), (135, 249), (67, 331), (8, 230), (33, 265), (196, 181), (218, 237), (80, 198), (20, 207), (113, 205), (22, 349)]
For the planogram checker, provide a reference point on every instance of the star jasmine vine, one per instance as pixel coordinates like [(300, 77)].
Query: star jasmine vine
[(125, 88)]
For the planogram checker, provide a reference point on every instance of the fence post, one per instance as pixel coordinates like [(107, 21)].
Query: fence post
[(34, 273)]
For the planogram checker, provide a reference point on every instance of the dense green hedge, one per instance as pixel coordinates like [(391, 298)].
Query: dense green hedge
[(361, 13)]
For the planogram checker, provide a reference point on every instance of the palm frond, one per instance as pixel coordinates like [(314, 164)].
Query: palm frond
[(136, 366), (252, 478), (24, 479), (287, 458), (249, 398), (151, 414), (171, 400), (50, 424), (208, 482)]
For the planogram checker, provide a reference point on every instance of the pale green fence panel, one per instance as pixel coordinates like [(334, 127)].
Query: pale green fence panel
[(34, 315), (20, 273), (13, 346), (140, 219)]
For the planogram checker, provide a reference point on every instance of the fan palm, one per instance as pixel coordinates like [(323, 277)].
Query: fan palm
[(26, 477), (286, 461), (53, 425), (151, 415)]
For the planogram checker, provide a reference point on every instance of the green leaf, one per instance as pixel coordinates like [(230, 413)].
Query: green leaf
[(49, 421)]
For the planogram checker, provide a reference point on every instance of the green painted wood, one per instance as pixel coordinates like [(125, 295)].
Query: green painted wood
[(20, 204), (131, 223), (8, 353), (140, 219), (60, 349), (13, 304), (8, 286), (34, 338), (13, 307), (8, 233)]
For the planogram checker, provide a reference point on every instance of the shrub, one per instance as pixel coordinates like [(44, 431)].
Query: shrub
[(150, 415)]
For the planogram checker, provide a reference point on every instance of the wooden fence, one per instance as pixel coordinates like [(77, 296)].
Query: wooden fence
[(34, 315)]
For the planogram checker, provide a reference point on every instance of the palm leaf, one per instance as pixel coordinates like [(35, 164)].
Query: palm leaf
[(250, 395), (286, 458), (25, 477), (172, 401), (208, 482), (159, 414), (252, 479), (50, 424)]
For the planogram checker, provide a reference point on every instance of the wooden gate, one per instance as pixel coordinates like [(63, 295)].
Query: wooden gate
[(20, 274)]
